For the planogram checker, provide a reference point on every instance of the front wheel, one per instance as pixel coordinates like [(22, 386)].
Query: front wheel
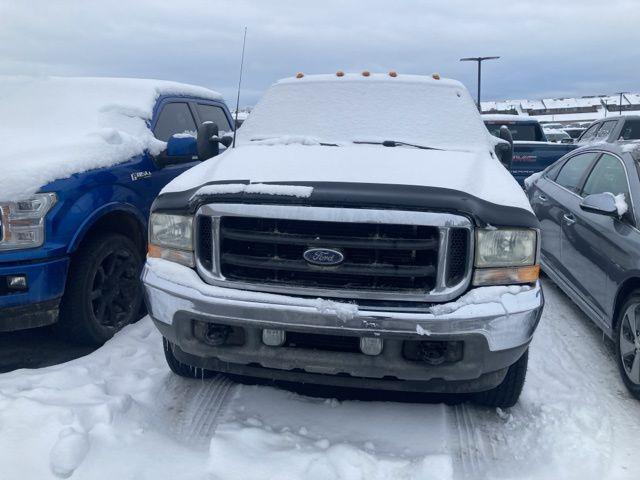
[(182, 369), (103, 292), (507, 393), (627, 338)]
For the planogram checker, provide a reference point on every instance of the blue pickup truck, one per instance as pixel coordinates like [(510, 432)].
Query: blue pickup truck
[(75, 196), (532, 152)]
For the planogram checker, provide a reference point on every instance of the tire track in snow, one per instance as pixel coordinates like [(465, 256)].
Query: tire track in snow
[(190, 410)]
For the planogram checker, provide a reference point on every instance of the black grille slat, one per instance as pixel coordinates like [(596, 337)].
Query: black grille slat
[(334, 241), (382, 270)]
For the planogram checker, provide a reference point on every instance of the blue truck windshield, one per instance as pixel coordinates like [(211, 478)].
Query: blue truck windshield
[(526, 132)]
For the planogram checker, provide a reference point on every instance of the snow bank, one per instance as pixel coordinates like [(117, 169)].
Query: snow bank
[(119, 413), (249, 452), (261, 188), (53, 127)]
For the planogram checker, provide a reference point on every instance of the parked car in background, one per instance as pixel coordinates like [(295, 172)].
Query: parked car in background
[(587, 204), (82, 159), (574, 132), (532, 152), (337, 246), (612, 129), (557, 136)]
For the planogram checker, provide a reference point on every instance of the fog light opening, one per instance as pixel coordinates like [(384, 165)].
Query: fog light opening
[(212, 334), (17, 282), (371, 346), (273, 337)]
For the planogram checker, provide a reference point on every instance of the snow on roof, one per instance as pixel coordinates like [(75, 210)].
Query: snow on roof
[(332, 109), (497, 117), (589, 102), (633, 98), (532, 105), (53, 127)]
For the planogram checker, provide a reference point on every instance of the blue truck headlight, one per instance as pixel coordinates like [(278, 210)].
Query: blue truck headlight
[(22, 222), (171, 238)]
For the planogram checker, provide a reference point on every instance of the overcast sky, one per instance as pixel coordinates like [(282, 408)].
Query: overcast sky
[(548, 48)]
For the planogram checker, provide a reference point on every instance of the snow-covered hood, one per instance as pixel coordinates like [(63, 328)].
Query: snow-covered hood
[(476, 173)]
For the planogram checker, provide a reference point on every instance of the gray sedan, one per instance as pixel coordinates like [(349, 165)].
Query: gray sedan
[(587, 203)]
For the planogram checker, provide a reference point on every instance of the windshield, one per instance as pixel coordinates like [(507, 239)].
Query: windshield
[(417, 110), (526, 132)]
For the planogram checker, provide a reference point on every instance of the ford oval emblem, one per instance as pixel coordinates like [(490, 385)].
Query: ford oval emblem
[(325, 257)]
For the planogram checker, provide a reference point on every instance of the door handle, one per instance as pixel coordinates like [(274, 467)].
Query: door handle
[(569, 218), (542, 197)]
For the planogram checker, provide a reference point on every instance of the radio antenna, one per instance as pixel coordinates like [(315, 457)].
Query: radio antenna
[(235, 126)]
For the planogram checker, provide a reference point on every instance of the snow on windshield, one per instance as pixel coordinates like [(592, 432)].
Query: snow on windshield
[(408, 108), (53, 127)]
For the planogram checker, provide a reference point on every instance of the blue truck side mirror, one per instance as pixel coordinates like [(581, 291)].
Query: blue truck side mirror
[(181, 145)]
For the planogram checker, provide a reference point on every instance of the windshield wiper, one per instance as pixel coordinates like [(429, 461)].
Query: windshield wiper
[(292, 141), (394, 143)]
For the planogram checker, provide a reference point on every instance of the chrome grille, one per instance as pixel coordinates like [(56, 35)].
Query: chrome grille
[(393, 255)]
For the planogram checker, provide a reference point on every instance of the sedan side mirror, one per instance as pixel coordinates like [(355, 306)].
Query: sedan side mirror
[(208, 141), (600, 203)]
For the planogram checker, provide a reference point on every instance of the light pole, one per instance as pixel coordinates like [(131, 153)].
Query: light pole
[(620, 108), (479, 60)]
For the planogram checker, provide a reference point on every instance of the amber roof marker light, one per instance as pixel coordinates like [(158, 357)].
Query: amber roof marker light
[(366, 73), (339, 73), (299, 75), (393, 73)]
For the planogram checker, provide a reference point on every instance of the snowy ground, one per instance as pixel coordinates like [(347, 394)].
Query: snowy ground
[(119, 413)]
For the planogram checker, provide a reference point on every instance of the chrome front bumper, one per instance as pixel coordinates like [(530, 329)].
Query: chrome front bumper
[(505, 323)]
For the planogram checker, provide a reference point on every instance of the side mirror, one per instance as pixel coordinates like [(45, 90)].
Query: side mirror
[(227, 140), (181, 145), (600, 203), (504, 151), (208, 141)]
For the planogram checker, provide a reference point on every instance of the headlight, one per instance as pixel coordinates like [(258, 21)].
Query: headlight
[(171, 238), (22, 222), (505, 248), (506, 256)]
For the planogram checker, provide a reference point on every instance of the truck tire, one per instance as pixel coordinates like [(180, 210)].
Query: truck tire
[(507, 393), (180, 368), (103, 292), (627, 340)]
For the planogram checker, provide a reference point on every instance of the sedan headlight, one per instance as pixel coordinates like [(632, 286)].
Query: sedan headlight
[(22, 223), (506, 256), (171, 238)]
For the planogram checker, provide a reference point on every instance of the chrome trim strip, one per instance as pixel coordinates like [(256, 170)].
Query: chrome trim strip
[(444, 221), (573, 294)]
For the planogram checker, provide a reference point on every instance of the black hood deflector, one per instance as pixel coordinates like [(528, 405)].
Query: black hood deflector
[(362, 195)]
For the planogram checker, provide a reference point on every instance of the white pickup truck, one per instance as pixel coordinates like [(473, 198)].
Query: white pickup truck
[(362, 233)]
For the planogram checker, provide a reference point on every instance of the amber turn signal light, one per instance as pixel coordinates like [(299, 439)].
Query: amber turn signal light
[(506, 275)]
